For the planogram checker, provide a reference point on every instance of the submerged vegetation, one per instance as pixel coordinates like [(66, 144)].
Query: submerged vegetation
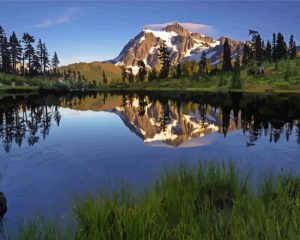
[(202, 202)]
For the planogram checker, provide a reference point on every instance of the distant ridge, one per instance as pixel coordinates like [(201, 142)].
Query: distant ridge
[(94, 70)]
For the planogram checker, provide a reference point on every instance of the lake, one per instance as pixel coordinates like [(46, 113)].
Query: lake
[(54, 148)]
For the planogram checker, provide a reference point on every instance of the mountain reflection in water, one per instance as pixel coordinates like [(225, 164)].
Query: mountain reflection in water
[(169, 119)]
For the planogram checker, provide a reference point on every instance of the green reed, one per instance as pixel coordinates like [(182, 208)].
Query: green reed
[(201, 202)]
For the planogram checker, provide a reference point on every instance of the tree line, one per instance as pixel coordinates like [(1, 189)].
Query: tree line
[(274, 51), (22, 57)]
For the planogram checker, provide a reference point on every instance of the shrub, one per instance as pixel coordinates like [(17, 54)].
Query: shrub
[(19, 82)]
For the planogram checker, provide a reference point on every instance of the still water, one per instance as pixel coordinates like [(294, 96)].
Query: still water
[(56, 147)]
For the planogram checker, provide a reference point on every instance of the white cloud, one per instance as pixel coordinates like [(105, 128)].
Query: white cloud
[(53, 22), (60, 19), (192, 27)]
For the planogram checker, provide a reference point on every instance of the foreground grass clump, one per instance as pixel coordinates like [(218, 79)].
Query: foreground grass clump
[(203, 202)]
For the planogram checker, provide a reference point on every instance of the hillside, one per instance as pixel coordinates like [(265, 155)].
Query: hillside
[(94, 70)]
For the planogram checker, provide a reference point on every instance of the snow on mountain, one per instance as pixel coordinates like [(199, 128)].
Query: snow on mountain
[(181, 43)]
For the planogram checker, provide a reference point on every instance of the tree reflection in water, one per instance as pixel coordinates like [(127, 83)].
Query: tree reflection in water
[(184, 116)]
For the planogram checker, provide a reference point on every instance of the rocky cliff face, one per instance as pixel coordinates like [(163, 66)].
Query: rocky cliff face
[(181, 43)]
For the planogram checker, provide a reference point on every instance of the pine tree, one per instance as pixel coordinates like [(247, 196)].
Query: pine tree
[(55, 61), (36, 65), (247, 54), (236, 83), (292, 48), (227, 66), (28, 51), (130, 75), (281, 48), (15, 51), (45, 56), (142, 71), (2, 47), (178, 71), (258, 48), (104, 78), (203, 63), (79, 77), (124, 74), (5, 64), (39, 55), (164, 56), (274, 48), (186, 68), (269, 51), (237, 62), (152, 75)]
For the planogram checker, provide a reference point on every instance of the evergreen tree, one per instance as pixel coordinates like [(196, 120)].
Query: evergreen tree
[(236, 83), (15, 51), (258, 49), (5, 64), (269, 51), (124, 74), (178, 71), (79, 77), (186, 68), (55, 61), (203, 62), (2, 36), (45, 56), (104, 78), (227, 66), (36, 65), (274, 48), (164, 56), (193, 67), (281, 48), (28, 51), (237, 62), (152, 75), (130, 75), (292, 48), (39, 55), (247, 54), (142, 71)]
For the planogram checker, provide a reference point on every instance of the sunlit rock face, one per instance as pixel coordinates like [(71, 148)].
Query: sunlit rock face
[(168, 123), (180, 42)]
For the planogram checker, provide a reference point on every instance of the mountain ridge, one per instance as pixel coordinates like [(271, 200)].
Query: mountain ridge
[(181, 42)]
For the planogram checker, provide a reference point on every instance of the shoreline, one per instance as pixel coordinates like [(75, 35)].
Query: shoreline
[(34, 90)]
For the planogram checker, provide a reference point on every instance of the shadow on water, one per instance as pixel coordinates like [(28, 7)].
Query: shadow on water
[(171, 118)]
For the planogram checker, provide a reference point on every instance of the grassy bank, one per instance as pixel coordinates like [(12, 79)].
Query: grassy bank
[(194, 86), (18, 84), (202, 202)]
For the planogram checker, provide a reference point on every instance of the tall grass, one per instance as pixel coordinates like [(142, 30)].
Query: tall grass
[(203, 202)]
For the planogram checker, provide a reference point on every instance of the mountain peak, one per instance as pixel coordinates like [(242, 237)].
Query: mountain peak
[(180, 41), (177, 28)]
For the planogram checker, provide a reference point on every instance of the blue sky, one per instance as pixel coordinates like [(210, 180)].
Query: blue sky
[(98, 30)]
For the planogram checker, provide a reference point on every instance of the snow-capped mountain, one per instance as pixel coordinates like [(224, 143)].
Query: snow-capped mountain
[(181, 43)]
